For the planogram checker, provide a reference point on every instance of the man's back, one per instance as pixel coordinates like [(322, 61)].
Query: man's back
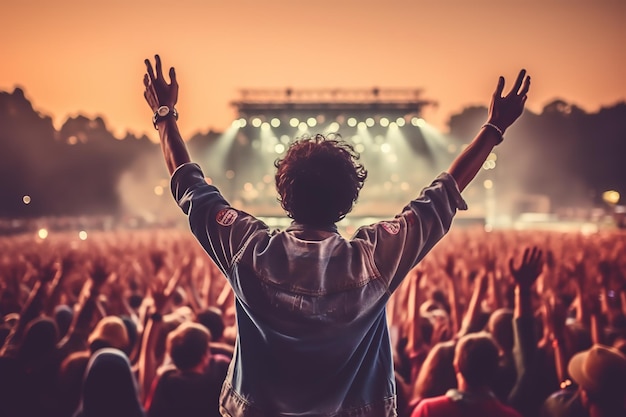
[(313, 325), (312, 332), (318, 182)]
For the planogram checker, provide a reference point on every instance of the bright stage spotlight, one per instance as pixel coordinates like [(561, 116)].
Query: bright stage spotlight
[(311, 121), (275, 122), (214, 157), (369, 122), (611, 197), (265, 127), (400, 121), (384, 122), (352, 122), (294, 122), (333, 127), (256, 122), (418, 121)]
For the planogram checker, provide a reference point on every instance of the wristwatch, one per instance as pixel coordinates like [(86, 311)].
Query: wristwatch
[(162, 113)]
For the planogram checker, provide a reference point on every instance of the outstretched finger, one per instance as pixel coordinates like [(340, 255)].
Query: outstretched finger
[(518, 82), (538, 259), (159, 68), (173, 76), (512, 265), (533, 254), (525, 258), (149, 69), (525, 87), (499, 87)]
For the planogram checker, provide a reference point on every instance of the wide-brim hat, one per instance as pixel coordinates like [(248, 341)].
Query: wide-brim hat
[(600, 370)]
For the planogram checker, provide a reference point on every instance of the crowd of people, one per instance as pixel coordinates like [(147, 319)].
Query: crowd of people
[(304, 321), (143, 323)]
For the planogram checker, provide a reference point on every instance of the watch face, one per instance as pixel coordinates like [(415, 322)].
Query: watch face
[(163, 111)]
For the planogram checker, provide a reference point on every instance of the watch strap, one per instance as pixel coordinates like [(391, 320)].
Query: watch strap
[(156, 118)]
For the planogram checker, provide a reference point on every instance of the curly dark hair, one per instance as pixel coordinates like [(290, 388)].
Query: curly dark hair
[(319, 179)]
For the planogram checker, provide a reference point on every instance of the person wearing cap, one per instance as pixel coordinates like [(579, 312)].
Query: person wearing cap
[(600, 374), (109, 332)]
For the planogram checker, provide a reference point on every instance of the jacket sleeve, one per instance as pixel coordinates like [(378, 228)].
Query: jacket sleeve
[(222, 230), (399, 244)]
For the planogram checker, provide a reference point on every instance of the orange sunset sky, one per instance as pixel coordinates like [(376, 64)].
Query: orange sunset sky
[(76, 56)]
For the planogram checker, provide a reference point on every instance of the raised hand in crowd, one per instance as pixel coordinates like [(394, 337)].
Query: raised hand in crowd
[(525, 276), (470, 321), (503, 111), (160, 292)]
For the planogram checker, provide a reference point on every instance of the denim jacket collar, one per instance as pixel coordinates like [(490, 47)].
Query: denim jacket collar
[(295, 226)]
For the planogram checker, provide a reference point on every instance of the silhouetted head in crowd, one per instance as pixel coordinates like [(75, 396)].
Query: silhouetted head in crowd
[(135, 300), (442, 299), (109, 387), (188, 346), (436, 376), (160, 346), (319, 179), (426, 328), (500, 326), (179, 297), (70, 380), (577, 338), (600, 373), (40, 339), (109, 332), (63, 315), (476, 361), (212, 319)]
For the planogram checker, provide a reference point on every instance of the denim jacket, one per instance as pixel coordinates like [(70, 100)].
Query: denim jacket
[(312, 334)]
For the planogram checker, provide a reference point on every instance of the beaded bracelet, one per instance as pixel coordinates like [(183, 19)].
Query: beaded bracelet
[(497, 129)]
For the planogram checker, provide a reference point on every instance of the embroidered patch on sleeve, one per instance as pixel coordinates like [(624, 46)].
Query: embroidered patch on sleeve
[(226, 216), (391, 227)]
